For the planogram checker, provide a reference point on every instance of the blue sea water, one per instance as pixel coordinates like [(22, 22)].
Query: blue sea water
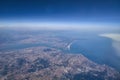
[(98, 49)]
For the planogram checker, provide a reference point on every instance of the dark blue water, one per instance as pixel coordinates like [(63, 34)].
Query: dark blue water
[(98, 49)]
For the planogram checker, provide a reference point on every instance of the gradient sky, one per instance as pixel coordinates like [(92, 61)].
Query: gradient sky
[(65, 11)]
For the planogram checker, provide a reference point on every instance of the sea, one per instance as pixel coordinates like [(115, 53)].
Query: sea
[(96, 48)]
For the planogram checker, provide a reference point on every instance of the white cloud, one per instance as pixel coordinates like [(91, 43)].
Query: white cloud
[(116, 40)]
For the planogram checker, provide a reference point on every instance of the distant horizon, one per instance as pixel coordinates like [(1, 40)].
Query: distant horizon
[(61, 14)]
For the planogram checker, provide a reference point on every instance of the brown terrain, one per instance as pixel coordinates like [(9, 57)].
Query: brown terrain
[(44, 63)]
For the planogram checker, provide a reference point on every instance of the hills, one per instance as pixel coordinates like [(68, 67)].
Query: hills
[(45, 63)]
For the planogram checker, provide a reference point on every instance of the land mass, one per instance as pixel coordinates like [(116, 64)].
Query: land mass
[(45, 63)]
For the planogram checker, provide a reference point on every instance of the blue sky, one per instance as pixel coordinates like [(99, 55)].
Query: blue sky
[(60, 11)]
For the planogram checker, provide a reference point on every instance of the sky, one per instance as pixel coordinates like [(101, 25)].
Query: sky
[(60, 12)]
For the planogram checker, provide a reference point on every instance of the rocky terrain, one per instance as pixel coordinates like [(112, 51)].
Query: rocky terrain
[(45, 63)]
